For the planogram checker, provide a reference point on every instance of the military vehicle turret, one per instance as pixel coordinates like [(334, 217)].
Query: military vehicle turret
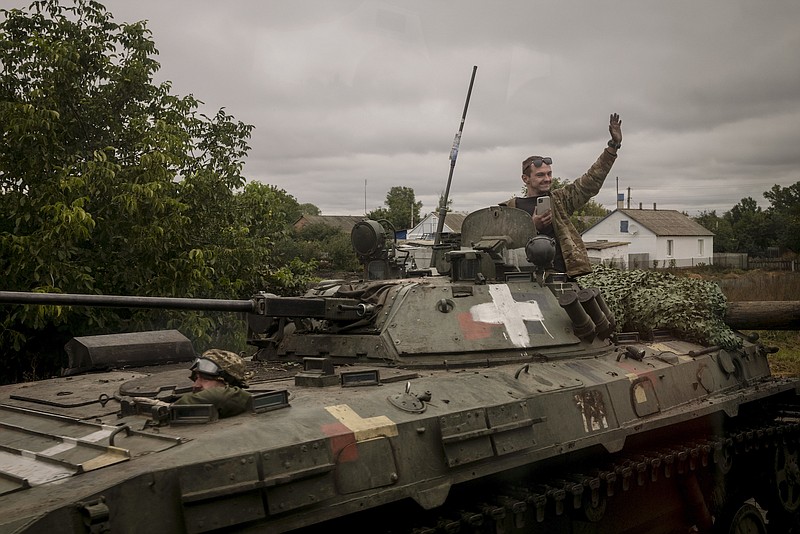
[(478, 395)]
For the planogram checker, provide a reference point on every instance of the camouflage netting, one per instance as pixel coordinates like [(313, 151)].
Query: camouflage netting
[(643, 301)]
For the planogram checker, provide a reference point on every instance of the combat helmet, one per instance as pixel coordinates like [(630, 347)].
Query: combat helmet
[(222, 364)]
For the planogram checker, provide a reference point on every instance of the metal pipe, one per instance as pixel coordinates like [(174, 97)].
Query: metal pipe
[(118, 301), (582, 323)]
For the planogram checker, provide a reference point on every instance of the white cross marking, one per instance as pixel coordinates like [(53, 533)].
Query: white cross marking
[(511, 314)]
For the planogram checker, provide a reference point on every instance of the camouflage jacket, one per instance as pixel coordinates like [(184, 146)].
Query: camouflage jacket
[(228, 400), (565, 202)]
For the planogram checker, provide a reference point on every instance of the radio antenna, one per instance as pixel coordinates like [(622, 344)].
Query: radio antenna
[(453, 156)]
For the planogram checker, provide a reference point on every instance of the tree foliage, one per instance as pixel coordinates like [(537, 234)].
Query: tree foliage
[(110, 184), (448, 206), (327, 247), (785, 213), (724, 240), (747, 228), (401, 208), (309, 209)]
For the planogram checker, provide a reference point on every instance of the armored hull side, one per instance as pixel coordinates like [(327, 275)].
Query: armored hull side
[(539, 444), (480, 396)]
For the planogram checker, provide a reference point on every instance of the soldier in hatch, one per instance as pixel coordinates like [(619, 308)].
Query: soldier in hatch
[(537, 175), (219, 379)]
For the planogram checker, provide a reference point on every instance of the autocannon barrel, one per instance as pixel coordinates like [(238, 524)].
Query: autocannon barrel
[(117, 301), (264, 304), (751, 315)]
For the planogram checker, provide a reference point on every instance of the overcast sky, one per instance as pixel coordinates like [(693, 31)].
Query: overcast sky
[(350, 98)]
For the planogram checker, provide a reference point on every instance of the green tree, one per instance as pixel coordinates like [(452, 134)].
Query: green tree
[(448, 207), (309, 209), (752, 230), (785, 213), (724, 240), (749, 229), (328, 247), (402, 210), (110, 184)]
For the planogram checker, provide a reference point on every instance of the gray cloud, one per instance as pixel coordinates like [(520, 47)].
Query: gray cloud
[(346, 92)]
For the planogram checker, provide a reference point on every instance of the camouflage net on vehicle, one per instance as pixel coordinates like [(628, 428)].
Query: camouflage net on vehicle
[(643, 301)]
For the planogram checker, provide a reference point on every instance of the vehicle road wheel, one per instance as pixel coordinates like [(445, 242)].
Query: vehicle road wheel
[(787, 477), (783, 491), (746, 519)]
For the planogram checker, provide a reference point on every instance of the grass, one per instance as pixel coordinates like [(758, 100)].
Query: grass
[(760, 285), (786, 362)]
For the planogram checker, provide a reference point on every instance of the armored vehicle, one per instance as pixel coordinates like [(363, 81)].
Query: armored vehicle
[(481, 394)]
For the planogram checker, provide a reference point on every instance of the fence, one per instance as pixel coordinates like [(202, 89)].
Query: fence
[(724, 260), (742, 261), (643, 261), (732, 260), (772, 264)]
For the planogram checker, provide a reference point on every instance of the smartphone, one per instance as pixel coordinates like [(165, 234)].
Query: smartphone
[(542, 205)]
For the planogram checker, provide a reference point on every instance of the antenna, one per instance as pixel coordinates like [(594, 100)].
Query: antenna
[(453, 156)]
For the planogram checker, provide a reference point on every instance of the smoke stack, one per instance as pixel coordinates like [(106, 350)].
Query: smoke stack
[(640, 205), (654, 206)]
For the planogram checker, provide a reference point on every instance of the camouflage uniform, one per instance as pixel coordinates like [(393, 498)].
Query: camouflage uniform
[(231, 399), (228, 400), (568, 199)]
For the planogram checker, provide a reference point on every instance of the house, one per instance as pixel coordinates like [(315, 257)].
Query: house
[(613, 253), (344, 223), (426, 229), (661, 238)]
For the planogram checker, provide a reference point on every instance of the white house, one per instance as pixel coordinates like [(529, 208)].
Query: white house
[(664, 238), (608, 252), (426, 228)]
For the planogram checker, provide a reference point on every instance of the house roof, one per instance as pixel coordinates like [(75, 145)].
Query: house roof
[(454, 221), (342, 222), (601, 245), (451, 219), (664, 222)]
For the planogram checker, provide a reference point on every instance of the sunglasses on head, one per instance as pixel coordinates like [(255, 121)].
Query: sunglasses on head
[(537, 162)]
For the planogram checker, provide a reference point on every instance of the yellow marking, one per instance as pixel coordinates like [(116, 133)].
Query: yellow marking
[(631, 376), (363, 429), (639, 393)]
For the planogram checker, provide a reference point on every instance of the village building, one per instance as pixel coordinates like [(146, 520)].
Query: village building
[(425, 230), (655, 238)]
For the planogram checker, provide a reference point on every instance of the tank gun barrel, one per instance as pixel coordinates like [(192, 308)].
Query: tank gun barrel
[(263, 304), (750, 315), (118, 301)]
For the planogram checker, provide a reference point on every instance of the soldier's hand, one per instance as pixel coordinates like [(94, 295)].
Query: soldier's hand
[(615, 128), (543, 221)]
